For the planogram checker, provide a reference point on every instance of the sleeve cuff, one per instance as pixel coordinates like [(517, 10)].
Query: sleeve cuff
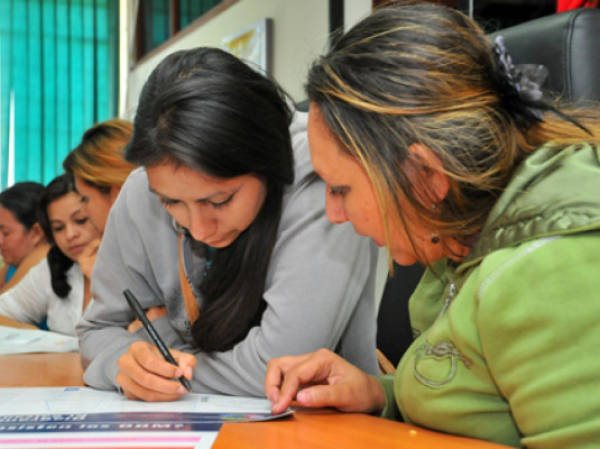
[(390, 411)]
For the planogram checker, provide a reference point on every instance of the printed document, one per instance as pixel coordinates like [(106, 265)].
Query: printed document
[(84, 417)]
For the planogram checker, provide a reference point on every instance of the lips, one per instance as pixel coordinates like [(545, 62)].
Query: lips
[(76, 248)]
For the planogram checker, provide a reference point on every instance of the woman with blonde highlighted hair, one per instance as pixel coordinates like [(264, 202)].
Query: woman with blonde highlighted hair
[(434, 144), (99, 168)]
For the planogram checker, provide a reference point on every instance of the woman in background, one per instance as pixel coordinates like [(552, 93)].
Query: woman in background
[(433, 143), (99, 169), (22, 241), (56, 287)]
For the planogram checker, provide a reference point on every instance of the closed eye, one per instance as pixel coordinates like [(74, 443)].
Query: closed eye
[(168, 201), (335, 190), (219, 204)]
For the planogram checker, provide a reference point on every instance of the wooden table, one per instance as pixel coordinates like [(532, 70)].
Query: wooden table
[(40, 370), (311, 429)]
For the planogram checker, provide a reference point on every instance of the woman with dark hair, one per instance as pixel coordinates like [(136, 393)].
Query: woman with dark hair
[(223, 231), (55, 288), (432, 142), (22, 240)]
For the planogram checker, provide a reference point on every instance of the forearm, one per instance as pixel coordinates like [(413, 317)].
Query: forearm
[(100, 350)]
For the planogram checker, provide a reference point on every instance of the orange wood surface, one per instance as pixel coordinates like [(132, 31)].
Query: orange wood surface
[(325, 429), (306, 429)]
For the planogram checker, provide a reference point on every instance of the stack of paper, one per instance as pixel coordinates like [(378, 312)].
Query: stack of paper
[(19, 341)]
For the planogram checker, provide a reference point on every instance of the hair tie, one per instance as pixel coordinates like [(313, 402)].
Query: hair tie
[(520, 86), (520, 89)]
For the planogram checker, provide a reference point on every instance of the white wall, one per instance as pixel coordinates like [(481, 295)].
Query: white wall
[(354, 10), (300, 33)]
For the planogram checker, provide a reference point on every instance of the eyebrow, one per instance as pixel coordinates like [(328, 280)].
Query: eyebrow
[(70, 216), (78, 211), (207, 198)]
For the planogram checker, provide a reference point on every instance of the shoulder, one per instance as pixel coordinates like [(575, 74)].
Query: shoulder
[(3, 272), (135, 184), (299, 136), (32, 259), (36, 279), (542, 280), (137, 202)]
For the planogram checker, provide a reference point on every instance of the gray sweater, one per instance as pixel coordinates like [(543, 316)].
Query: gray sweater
[(319, 288)]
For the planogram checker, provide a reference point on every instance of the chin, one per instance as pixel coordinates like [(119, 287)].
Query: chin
[(224, 243), (404, 259)]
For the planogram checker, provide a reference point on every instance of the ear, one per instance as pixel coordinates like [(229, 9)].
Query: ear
[(37, 233), (431, 182), (113, 193)]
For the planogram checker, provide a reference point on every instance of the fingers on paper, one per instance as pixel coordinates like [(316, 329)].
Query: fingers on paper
[(276, 371), (295, 374)]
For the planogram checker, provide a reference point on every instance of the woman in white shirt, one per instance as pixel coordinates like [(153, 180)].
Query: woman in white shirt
[(56, 287)]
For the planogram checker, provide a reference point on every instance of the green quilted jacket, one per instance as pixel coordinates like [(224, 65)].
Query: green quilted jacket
[(507, 343)]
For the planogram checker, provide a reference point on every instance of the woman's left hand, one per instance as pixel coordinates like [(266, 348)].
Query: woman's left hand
[(87, 258), (321, 379), (152, 314)]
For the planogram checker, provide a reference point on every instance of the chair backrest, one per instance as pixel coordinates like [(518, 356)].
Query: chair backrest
[(568, 44)]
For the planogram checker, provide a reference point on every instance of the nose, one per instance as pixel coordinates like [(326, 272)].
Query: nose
[(71, 231), (201, 225), (334, 208)]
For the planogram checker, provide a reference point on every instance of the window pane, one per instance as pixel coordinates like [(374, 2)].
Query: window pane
[(190, 10)]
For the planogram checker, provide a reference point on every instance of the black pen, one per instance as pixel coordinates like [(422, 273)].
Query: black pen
[(141, 315)]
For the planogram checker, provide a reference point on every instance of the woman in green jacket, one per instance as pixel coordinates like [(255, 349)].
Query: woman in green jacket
[(435, 145)]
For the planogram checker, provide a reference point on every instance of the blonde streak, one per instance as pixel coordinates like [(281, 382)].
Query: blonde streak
[(357, 151), (105, 174), (391, 109), (339, 89), (398, 29), (562, 132)]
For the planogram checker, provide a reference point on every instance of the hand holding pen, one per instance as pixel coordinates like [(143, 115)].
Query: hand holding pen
[(147, 371)]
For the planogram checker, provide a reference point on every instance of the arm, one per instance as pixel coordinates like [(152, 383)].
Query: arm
[(27, 302), (31, 260), (321, 379), (539, 330), (121, 262), (130, 256), (318, 295), (318, 275), (5, 321)]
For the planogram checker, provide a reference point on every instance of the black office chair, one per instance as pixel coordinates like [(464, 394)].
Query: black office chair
[(568, 44)]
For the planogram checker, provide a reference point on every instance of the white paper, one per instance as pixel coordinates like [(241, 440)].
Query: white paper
[(21, 341), (37, 400)]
